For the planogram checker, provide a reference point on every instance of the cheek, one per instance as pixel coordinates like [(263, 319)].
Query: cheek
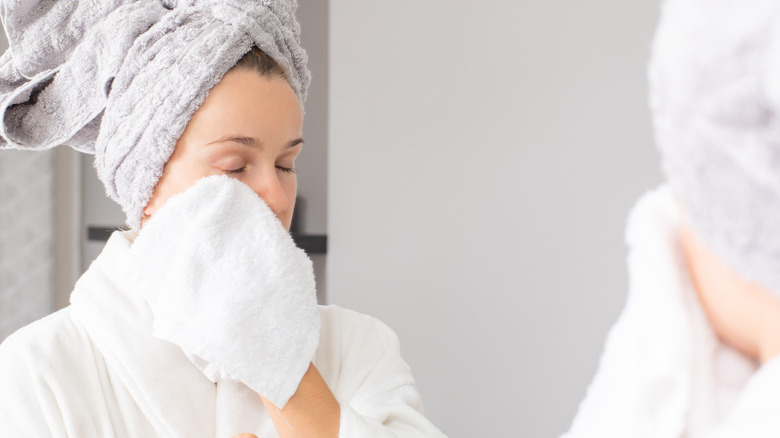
[(293, 188), (178, 181), (292, 191), (177, 177), (290, 188)]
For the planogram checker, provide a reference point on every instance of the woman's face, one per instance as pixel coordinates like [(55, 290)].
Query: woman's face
[(249, 128)]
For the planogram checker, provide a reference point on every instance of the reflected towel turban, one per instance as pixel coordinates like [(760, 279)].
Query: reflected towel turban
[(121, 79), (715, 97)]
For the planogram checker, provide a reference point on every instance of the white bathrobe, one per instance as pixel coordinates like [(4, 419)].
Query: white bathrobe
[(663, 372), (94, 370)]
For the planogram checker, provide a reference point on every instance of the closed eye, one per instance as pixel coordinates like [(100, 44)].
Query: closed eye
[(241, 170)]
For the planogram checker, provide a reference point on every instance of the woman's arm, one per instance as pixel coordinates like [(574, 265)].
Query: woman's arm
[(373, 392), (312, 412)]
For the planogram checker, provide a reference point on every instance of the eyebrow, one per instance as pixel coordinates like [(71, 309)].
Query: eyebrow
[(252, 142)]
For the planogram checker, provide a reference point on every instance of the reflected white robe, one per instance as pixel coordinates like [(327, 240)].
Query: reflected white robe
[(663, 372), (94, 370)]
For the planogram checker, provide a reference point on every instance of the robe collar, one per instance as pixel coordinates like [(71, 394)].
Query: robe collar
[(167, 387)]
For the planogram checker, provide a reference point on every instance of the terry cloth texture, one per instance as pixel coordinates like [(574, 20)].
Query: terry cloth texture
[(227, 284), (122, 79), (715, 98)]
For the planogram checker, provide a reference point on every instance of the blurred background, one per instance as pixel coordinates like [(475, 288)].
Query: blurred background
[(471, 165)]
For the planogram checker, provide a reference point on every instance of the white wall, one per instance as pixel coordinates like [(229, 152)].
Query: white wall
[(483, 157)]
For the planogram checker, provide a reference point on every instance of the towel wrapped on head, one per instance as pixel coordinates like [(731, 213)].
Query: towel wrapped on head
[(715, 97), (121, 79)]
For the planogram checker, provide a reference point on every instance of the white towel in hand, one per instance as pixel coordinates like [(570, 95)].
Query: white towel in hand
[(227, 284)]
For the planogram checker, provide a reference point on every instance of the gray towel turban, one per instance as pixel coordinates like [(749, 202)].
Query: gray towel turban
[(121, 79), (715, 97)]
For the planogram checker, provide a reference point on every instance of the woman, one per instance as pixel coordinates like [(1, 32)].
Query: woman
[(201, 320), (695, 351)]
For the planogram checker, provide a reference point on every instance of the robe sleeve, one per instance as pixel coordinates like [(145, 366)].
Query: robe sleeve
[(376, 389), (47, 386), (28, 405)]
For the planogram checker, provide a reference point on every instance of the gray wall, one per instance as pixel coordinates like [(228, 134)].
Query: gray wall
[(28, 269), (312, 164), (483, 157)]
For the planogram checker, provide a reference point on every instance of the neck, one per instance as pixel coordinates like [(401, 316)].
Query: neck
[(744, 315)]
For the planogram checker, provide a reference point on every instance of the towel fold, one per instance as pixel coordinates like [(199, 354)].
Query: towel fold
[(226, 283)]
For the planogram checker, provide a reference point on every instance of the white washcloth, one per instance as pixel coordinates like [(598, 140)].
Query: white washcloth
[(227, 284)]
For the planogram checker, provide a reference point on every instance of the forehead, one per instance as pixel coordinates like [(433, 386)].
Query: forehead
[(246, 104)]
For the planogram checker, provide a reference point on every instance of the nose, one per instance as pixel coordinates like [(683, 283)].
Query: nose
[(268, 186)]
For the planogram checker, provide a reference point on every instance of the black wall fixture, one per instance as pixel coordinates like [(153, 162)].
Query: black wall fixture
[(312, 244)]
